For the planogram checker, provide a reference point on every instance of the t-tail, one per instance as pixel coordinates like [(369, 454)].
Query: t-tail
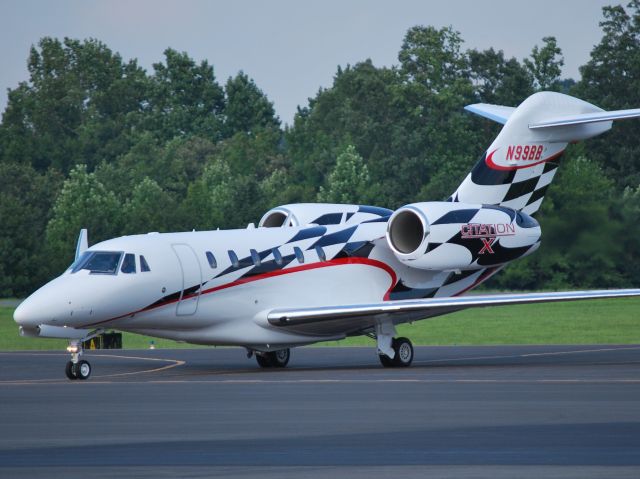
[(520, 164)]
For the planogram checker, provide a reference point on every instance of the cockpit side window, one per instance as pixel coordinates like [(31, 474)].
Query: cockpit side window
[(98, 262), (144, 266), (129, 264)]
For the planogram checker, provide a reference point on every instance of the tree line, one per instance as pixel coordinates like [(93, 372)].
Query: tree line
[(93, 140)]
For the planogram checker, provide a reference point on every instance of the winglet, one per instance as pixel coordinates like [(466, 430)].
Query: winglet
[(497, 113), (83, 242)]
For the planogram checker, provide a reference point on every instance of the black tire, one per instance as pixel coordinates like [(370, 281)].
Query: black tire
[(82, 370), (264, 360), (69, 371), (280, 359), (385, 360), (404, 352)]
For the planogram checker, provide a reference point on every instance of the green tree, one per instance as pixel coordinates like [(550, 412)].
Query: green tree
[(499, 80), (220, 199), (247, 107), (149, 209), (545, 65), (611, 80), (80, 102), (186, 98), (578, 226), (84, 202), (349, 182), (433, 58), (629, 215), (259, 152), (25, 196)]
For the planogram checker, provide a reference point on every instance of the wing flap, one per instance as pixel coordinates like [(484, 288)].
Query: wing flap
[(408, 310)]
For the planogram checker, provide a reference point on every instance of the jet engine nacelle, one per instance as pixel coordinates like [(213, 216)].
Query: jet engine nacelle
[(302, 214), (457, 236)]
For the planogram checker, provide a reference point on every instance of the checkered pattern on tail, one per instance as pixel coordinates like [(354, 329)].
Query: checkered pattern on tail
[(520, 189)]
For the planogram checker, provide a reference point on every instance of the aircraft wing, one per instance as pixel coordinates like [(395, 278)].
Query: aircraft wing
[(356, 317)]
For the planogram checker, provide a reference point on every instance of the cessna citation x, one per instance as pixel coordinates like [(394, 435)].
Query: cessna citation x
[(321, 272)]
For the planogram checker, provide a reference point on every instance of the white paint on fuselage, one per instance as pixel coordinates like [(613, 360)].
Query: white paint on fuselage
[(224, 314)]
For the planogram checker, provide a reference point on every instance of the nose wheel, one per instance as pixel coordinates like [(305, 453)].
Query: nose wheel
[(77, 368)]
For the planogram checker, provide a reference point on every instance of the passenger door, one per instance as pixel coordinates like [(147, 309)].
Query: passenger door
[(191, 279)]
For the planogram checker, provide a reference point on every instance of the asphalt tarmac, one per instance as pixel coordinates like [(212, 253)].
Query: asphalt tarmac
[(509, 411)]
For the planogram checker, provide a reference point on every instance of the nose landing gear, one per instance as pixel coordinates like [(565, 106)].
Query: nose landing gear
[(76, 368)]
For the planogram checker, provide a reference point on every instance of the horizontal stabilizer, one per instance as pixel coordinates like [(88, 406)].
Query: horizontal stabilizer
[(587, 118), (497, 113)]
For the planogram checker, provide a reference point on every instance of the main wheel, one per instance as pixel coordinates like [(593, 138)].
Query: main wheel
[(404, 352), (69, 371), (280, 359), (82, 369), (385, 360), (264, 360)]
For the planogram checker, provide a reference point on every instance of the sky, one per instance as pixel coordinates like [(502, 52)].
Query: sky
[(291, 48)]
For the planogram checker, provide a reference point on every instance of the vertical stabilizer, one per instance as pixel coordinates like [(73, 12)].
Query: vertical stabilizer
[(520, 164)]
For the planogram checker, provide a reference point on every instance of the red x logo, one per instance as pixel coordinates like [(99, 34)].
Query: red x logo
[(487, 245)]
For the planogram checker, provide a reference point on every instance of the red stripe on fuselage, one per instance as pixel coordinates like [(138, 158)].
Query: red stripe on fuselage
[(271, 274)]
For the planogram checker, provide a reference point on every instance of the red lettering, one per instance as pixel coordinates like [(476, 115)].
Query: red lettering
[(511, 228), (524, 152)]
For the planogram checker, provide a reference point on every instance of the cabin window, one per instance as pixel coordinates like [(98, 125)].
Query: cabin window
[(277, 256), (234, 259), (299, 255), (98, 262), (211, 259), (128, 264), (255, 257), (144, 266), (320, 252)]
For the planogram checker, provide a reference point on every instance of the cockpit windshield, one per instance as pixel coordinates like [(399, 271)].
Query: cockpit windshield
[(98, 262)]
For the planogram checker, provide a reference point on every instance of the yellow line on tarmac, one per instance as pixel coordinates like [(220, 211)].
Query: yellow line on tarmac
[(175, 363)]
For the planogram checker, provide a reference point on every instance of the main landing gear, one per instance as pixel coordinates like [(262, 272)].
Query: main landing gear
[(403, 354), (273, 359), (76, 368), (392, 352)]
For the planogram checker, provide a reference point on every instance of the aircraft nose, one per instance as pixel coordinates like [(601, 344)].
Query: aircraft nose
[(25, 314), (42, 307)]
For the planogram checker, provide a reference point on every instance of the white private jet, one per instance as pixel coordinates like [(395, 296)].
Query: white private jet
[(321, 272)]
